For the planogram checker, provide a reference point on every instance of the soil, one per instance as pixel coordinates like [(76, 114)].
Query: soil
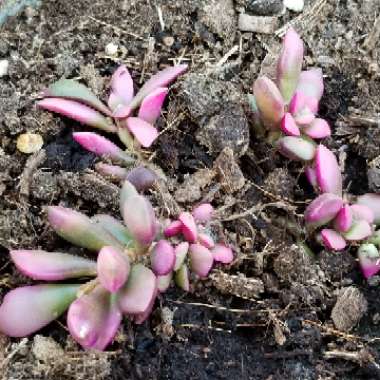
[(277, 312)]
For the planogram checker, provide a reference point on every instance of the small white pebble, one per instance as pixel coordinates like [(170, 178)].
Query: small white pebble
[(294, 5), (4, 65), (111, 49), (29, 142)]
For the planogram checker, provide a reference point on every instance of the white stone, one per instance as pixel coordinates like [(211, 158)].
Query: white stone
[(4, 65), (111, 49), (294, 5)]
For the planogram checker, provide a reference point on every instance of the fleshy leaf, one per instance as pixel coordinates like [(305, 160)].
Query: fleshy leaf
[(101, 146), (296, 148), (328, 171), (269, 102), (26, 310), (222, 254), (359, 231), (289, 64), (142, 178), (206, 240), (203, 213), (181, 278), (127, 191), (122, 88), (369, 259), (114, 171), (201, 259), (163, 282), (78, 229), (150, 108), (362, 212), (136, 296), (113, 268), (93, 319), (74, 90), (52, 266), (372, 201), (332, 239), (141, 318), (144, 132), (162, 258), (375, 238), (289, 126), (344, 219), (318, 129), (323, 209), (311, 176), (77, 111), (180, 254), (189, 228), (311, 85), (174, 228)]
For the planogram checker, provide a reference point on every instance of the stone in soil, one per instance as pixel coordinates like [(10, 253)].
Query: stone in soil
[(265, 7), (373, 175), (258, 24)]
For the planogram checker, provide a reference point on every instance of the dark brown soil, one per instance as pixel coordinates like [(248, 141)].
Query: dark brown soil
[(275, 313)]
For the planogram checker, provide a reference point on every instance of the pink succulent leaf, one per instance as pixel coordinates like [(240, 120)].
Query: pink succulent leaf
[(375, 238), (141, 318), (360, 230), (122, 112), (311, 176), (52, 266), (311, 85), (162, 79), (150, 108), (328, 171), (77, 111), (323, 209), (189, 228), (269, 102), (74, 90), (162, 258), (114, 171), (372, 201), (173, 229), (369, 260), (142, 178), (93, 319), (333, 240), (296, 148), (101, 146), (78, 229), (222, 254), (143, 132), (139, 218), (203, 213), (289, 65), (297, 103), (136, 295), (182, 278), (26, 310), (362, 212), (201, 259), (344, 219), (163, 282), (113, 268), (127, 191), (289, 126), (318, 129), (180, 251), (206, 240), (122, 88), (304, 117)]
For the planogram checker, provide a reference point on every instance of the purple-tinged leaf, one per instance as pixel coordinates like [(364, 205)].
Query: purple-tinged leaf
[(344, 219), (161, 79), (333, 240), (360, 230), (362, 212), (101, 146), (328, 171), (310, 84), (173, 229), (143, 132), (26, 310), (136, 296), (113, 268), (139, 218), (163, 282), (150, 108), (206, 240), (289, 126), (222, 254), (289, 64), (78, 229), (318, 129), (121, 88), (142, 178), (203, 213), (181, 278), (189, 228), (201, 259), (162, 258), (52, 266), (141, 318), (180, 251), (304, 117), (122, 112), (297, 103), (93, 319), (311, 176), (300, 110), (113, 171), (323, 209), (369, 260), (127, 191), (77, 111), (74, 90), (269, 102), (296, 148), (372, 201)]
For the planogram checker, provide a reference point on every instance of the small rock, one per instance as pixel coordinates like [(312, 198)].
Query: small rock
[(29, 142), (266, 7), (258, 24), (4, 66), (373, 175), (111, 49), (349, 308), (46, 349), (168, 41), (294, 5)]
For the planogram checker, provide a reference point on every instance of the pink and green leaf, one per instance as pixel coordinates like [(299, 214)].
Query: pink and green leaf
[(201, 259), (162, 258), (150, 108)]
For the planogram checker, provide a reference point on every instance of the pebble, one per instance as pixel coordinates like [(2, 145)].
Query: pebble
[(4, 66), (258, 24), (111, 49), (266, 7), (29, 143), (294, 5)]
